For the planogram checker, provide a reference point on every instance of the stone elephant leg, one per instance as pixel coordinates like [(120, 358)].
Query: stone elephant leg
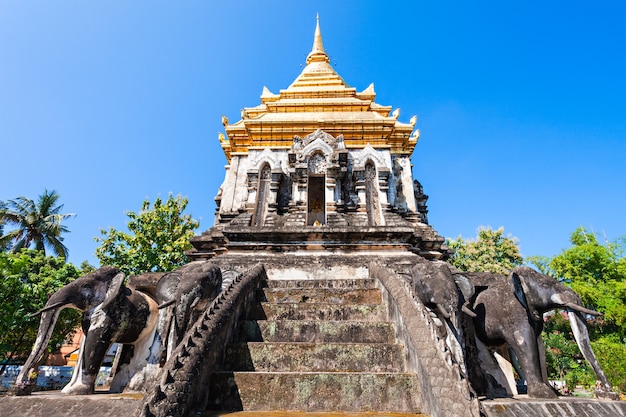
[(77, 375), (93, 349), (524, 344), (143, 351), (500, 381)]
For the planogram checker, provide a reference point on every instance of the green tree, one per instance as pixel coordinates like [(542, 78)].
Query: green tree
[(27, 279), (158, 238), (611, 353), (596, 270), (37, 223), (491, 251)]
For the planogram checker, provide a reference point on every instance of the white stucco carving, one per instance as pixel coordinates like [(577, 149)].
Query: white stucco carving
[(318, 145), (257, 159), (380, 158)]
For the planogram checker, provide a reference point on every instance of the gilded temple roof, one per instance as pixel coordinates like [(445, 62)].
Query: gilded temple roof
[(318, 99)]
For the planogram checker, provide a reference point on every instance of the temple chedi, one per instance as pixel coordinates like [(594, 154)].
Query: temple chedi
[(320, 166), (319, 224), (320, 288)]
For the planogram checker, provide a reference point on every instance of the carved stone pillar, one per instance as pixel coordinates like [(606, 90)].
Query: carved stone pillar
[(299, 189), (359, 188), (372, 196), (274, 188), (331, 194), (383, 187), (253, 183)]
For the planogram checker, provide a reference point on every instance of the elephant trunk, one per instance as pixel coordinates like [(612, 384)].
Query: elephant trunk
[(579, 328), (46, 327)]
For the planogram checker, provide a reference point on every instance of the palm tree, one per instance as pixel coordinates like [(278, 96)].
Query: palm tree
[(37, 223), (4, 246)]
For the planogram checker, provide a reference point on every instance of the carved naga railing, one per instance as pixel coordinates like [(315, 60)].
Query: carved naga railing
[(183, 385), (444, 390)]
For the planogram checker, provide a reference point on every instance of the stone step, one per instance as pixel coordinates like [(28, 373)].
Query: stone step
[(322, 283), (314, 357), (316, 311), (320, 295), (313, 331), (315, 391)]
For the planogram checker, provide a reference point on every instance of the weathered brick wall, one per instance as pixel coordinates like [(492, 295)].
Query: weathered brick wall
[(442, 389)]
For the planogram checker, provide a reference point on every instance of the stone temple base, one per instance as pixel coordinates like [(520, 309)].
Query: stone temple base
[(55, 404), (563, 407)]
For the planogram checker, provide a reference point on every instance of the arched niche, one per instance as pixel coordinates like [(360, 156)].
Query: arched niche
[(316, 189)]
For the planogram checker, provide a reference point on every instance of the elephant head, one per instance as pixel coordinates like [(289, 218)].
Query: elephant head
[(440, 289), (540, 293), (187, 291), (84, 294), (448, 295)]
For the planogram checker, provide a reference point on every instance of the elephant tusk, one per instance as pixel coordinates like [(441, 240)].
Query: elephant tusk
[(582, 309), (47, 308), (166, 304), (443, 312), (467, 311)]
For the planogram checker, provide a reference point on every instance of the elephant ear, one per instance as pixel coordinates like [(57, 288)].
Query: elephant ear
[(166, 289), (519, 288), (114, 289), (465, 285)]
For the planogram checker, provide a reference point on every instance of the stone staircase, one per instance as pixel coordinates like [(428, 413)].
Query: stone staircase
[(315, 345)]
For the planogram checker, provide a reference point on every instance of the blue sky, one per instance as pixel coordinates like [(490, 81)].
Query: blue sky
[(521, 105)]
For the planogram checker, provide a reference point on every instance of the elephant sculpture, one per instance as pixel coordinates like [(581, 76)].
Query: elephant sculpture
[(128, 314), (183, 295), (509, 311), (447, 295), (112, 312)]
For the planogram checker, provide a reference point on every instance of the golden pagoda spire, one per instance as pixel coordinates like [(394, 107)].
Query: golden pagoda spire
[(318, 99), (317, 54)]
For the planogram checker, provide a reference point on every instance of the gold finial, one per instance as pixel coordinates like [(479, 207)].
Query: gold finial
[(317, 51), (318, 45)]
